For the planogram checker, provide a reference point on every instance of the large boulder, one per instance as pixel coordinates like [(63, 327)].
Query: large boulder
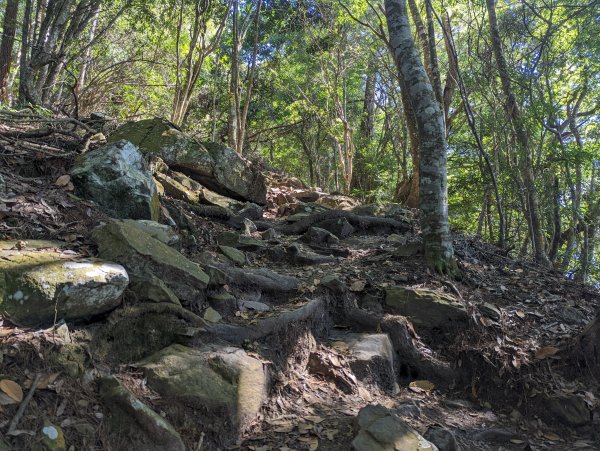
[(40, 282), (380, 429), (147, 258), (426, 308), (225, 383), (116, 177), (215, 166)]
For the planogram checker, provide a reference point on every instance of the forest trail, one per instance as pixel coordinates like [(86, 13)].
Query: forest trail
[(271, 327)]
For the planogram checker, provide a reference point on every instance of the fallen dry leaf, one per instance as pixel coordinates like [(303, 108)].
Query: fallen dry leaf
[(545, 352), (421, 386), (358, 285), (12, 389), (63, 180), (552, 436)]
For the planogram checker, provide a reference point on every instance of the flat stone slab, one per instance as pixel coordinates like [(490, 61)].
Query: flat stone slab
[(146, 257), (379, 429), (426, 308)]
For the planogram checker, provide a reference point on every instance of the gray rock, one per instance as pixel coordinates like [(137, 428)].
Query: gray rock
[(222, 382), (161, 232), (306, 196), (566, 409), (379, 429), (40, 282), (409, 409), (151, 288), (426, 308), (270, 234), (233, 254), (319, 237), (333, 282), (215, 166), (242, 242), (494, 435), (136, 423), (340, 227), (146, 257), (490, 310), (571, 315), (371, 358), (442, 438), (249, 228), (224, 303), (251, 211), (255, 305), (408, 249), (116, 177)]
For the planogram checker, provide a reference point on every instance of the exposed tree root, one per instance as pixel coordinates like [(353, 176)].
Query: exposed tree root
[(357, 221)]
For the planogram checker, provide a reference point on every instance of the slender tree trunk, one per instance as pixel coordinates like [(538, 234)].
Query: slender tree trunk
[(455, 73), (452, 76), (24, 72), (243, 114), (362, 179), (437, 243), (6, 45), (514, 116), (556, 219), (436, 79), (234, 85)]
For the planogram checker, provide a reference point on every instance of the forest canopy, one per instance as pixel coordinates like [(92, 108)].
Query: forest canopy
[(311, 87)]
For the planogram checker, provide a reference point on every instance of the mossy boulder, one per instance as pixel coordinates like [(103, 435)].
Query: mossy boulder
[(426, 308), (41, 282), (225, 382), (161, 232), (146, 258), (117, 178), (380, 429), (215, 166), (134, 425)]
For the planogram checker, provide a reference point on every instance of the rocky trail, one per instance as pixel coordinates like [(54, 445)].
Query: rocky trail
[(159, 293)]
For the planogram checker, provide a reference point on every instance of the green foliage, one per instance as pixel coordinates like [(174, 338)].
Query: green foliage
[(313, 61)]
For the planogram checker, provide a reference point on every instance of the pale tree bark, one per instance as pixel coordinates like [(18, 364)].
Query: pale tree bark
[(238, 107), (202, 44), (436, 79), (55, 43), (6, 45), (452, 75), (522, 139), (437, 243), (25, 53)]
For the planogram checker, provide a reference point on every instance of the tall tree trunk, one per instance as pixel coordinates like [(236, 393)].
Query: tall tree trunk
[(87, 54), (234, 83), (514, 116), (243, 113), (452, 76), (362, 179), (24, 71), (435, 78), (437, 243), (6, 46)]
